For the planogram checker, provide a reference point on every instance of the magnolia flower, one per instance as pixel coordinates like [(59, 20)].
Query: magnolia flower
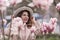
[(5, 21), (33, 29), (44, 4), (53, 21), (31, 4), (16, 24), (44, 27), (50, 30), (58, 6), (13, 2), (49, 27), (4, 4), (17, 20)]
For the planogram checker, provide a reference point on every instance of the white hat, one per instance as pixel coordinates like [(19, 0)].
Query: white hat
[(21, 9)]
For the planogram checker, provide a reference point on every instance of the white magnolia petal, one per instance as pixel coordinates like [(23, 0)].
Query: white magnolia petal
[(15, 1), (18, 1), (31, 5)]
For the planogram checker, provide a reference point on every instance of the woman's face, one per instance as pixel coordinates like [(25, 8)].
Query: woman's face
[(25, 17)]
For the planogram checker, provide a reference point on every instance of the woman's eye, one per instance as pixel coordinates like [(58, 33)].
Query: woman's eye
[(25, 15)]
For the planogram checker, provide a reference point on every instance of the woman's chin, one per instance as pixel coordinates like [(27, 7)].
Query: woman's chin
[(25, 21)]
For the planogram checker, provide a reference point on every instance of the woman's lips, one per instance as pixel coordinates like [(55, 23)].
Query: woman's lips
[(25, 19)]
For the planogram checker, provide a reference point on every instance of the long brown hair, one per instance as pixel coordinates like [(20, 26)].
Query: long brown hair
[(29, 23)]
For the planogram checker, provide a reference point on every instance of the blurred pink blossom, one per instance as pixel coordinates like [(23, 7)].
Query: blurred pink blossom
[(31, 4), (53, 21), (44, 28), (49, 27), (44, 4), (16, 23), (58, 6), (33, 29), (13, 2), (4, 4)]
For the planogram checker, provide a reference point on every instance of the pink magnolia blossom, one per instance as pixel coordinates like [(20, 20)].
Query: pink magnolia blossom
[(50, 30), (16, 23), (53, 21), (13, 2), (58, 6), (44, 28), (44, 4), (49, 27), (33, 29), (4, 4)]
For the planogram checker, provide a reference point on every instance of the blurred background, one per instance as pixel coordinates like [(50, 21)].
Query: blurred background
[(40, 14)]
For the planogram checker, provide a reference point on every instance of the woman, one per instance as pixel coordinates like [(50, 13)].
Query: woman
[(24, 25)]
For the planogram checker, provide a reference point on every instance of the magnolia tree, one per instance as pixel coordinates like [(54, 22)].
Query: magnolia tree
[(44, 4), (48, 28), (3, 5)]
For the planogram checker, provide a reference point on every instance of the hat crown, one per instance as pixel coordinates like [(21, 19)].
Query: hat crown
[(21, 9)]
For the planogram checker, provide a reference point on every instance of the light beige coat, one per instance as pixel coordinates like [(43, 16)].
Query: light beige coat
[(23, 34)]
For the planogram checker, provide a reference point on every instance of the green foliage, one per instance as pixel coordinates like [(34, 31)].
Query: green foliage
[(48, 37)]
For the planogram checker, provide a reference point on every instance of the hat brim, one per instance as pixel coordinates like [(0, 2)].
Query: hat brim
[(21, 9)]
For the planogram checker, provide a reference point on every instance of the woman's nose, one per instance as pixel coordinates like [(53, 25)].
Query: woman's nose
[(26, 17)]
